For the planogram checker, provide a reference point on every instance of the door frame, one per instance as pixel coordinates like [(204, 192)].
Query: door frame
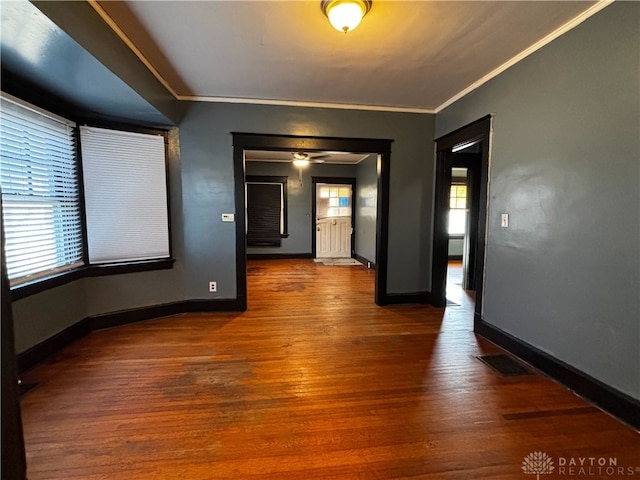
[(14, 462), (333, 181), (295, 143), (479, 130)]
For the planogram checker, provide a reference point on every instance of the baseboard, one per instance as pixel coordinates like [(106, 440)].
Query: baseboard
[(36, 354), (414, 297), (616, 403), (455, 258), (124, 317), (277, 256), (45, 349), (365, 261), (225, 305)]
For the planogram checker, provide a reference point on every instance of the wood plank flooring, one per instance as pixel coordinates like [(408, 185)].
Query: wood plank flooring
[(314, 381)]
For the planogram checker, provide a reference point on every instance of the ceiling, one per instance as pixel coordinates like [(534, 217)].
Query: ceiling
[(323, 157), (405, 56), (40, 55)]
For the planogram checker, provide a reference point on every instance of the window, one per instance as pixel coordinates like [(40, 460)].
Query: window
[(40, 194), (125, 199), (458, 209), (334, 201), (266, 210), (125, 191)]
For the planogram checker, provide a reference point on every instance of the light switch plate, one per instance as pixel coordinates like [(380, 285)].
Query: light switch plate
[(504, 220)]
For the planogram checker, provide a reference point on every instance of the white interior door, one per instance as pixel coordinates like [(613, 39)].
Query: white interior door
[(333, 220)]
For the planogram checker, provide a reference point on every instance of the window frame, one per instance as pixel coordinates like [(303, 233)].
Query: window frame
[(156, 133), (47, 282)]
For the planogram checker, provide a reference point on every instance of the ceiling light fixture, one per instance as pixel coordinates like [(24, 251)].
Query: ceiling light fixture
[(345, 15), (301, 162)]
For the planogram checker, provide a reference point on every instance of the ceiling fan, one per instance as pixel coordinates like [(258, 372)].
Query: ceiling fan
[(302, 159)]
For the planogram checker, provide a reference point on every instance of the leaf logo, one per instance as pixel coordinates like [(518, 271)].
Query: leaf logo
[(537, 463)]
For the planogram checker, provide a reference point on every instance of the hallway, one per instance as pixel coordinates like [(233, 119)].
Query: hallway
[(314, 381)]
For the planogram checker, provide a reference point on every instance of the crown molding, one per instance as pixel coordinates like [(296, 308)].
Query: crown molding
[(294, 103), (571, 24), (118, 31), (598, 6)]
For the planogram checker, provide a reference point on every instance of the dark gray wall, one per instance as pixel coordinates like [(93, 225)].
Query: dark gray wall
[(564, 277), (366, 204), (41, 316), (207, 181), (300, 198)]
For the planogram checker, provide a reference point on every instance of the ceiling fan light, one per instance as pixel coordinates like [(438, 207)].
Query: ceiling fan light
[(345, 15), (301, 162)]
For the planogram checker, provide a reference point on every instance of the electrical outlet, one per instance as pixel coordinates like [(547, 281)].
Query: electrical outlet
[(213, 287)]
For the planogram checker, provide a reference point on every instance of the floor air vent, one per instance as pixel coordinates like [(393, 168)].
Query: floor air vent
[(504, 365)]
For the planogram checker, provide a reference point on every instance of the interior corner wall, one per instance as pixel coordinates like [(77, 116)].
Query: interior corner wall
[(42, 315), (208, 192), (564, 276)]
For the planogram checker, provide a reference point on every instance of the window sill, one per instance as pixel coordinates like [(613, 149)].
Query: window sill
[(46, 283)]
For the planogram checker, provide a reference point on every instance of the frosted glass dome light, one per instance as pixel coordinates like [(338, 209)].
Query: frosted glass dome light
[(345, 15)]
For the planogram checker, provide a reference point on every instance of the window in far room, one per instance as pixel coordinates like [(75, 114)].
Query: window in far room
[(266, 203), (458, 209)]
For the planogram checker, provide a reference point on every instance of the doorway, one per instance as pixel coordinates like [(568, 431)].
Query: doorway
[(464, 203), (290, 143), (464, 149), (333, 213)]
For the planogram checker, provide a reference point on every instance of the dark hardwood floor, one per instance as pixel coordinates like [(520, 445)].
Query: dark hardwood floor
[(314, 381)]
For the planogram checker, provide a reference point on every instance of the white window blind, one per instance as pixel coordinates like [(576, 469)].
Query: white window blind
[(125, 192), (40, 201)]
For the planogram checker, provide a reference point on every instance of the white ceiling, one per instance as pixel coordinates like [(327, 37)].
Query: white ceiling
[(405, 55)]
